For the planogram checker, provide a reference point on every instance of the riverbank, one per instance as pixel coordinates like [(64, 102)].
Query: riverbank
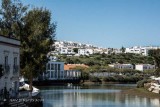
[(90, 82), (141, 92), (54, 82)]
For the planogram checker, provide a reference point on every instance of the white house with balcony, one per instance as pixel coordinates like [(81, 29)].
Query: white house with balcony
[(143, 67), (122, 66), (9, 64)]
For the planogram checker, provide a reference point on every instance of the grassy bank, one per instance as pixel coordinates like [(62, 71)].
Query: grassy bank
[(141, 92)]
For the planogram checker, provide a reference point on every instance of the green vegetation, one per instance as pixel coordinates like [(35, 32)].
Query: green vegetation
[(103, 59), (34, 29), (98, 63), (123, 78), (156, 55), (141, 92), (94, 79), (140, 84)]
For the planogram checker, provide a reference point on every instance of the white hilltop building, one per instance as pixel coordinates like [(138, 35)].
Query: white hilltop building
[(143, 67), (122, 66), (10, 64), (140, 50), (140, 67), (85, 51)]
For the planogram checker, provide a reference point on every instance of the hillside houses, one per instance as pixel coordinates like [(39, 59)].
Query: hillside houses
[(67, 48)]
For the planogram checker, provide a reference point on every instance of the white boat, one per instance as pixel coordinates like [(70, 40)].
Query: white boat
[(69, 84), (25, 86)]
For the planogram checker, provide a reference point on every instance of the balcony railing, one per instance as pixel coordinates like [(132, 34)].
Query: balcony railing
[(24, 94), (15, 69)]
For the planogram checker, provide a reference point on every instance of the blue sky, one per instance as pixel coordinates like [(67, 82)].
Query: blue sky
[(106, 23)]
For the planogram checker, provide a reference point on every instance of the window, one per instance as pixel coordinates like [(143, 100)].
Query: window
[(48, 67), (6, 60), (55, 66), (15, 61), (48, 74), (6, 66), (52, 66), (15, 67), (55, 74), (69, 50), (59, 66), (51, 74)]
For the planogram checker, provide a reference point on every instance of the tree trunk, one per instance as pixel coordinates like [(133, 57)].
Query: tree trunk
[(30, 82)]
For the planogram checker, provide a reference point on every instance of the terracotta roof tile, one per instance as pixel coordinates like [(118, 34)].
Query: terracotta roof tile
[(71, 66)]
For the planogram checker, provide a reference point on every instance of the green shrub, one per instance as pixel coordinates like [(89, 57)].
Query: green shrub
[(94, 79), (140, 84), (122, 78)]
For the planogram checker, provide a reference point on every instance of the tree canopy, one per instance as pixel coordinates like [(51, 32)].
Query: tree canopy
[(11, 17), (155, 53)]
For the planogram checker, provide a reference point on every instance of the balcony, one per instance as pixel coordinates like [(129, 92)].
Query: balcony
[(15, 69)]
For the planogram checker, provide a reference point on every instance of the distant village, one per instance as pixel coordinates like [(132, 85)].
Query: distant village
[(68, 48)]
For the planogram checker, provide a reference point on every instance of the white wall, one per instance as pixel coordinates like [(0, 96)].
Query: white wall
[(142, 67), (122, 66), (9, 47), (85, 51), (53, 72)]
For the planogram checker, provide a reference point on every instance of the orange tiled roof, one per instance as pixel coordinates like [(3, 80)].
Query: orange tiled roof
[(71, 66)]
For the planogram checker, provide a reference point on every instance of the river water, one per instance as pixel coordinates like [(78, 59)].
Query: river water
[(94, 96)]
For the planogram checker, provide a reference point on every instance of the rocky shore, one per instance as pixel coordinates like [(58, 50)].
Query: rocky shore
[(141, 92)]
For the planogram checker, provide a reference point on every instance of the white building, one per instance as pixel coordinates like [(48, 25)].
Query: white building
[(72, 74), (142, 67), (55, 71), (67, 50), (122, 66), (85, 51), (140, 50), (9, 61)]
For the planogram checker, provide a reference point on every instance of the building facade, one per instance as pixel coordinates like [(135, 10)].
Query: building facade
[(143, 67), (10, 64), (122, 66), (72, 74), (85, 51), (67, 51), (140, 50), (55, 71)]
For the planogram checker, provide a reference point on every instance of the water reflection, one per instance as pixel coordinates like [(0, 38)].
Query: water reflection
[(93, 96)]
